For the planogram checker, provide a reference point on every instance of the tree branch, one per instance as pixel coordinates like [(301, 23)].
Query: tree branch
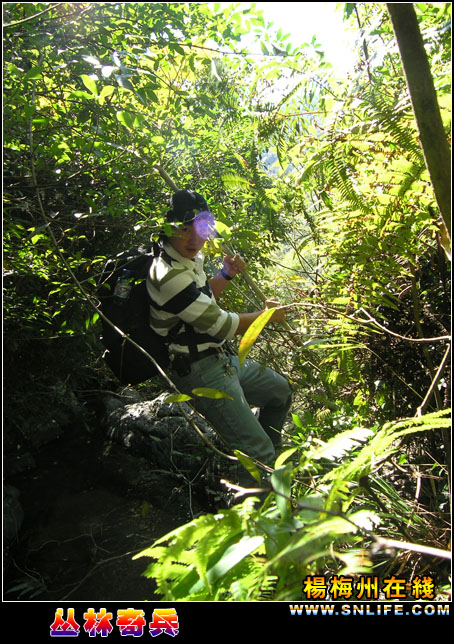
[(10, 25), (425, 104)]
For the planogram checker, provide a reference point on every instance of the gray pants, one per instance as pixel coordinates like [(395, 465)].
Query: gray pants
[(249, 385)]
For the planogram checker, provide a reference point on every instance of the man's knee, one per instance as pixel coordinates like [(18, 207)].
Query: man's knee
[(281, 393)]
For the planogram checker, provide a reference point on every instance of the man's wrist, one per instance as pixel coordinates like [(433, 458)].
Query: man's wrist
[(225, 275)]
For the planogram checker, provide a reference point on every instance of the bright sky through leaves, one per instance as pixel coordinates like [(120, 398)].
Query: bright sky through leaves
[(304, 20)]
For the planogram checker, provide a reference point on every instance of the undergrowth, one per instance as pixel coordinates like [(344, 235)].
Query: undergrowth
[(332, 512)]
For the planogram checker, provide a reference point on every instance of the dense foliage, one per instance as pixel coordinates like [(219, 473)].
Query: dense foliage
[(321, 183)]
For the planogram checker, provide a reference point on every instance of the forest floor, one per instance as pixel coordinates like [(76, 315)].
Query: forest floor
[(86, 514)]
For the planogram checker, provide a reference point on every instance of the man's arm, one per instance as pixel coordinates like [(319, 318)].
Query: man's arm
[(232, 266), (218, 284), (246, 319)]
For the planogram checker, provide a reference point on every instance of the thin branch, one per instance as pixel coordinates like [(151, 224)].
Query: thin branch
[(10, 25), (169, 181), (414, 547), (441, 368), (371, 320)]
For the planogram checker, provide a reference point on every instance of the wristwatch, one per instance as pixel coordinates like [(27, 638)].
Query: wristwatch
[(225, 275)]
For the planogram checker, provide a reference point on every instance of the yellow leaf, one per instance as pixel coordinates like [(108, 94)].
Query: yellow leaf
[(252, 333), (284, 456), (177, 398)]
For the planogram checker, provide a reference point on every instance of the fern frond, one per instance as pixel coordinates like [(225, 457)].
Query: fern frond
[(339, 177), (192, 557), (384, 443), (396, 120), (235, 181)]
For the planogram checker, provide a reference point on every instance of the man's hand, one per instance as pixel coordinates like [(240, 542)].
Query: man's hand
[(234, 265), (246, 319), (279, 314)]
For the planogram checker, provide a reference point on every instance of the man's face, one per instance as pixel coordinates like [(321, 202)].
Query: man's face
[(188, 239)]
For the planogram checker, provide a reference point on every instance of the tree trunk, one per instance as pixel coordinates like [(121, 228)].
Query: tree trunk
[(425, 105)]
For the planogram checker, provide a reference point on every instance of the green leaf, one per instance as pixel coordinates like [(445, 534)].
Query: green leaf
[(106, 91), (34, 73), (223, 230), (313, 504), (37, 237), (297, 420), (123, 82), (249, 465), (231, 557), (252, 333), (264, 48), (126, 118), (281, 480), (206, 392), (348, 9), (176, 47), (80, 94), (90, 84)]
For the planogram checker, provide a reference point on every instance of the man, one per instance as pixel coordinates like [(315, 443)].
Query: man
[(184, 307)]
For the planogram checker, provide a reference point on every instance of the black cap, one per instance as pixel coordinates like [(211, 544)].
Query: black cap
[(185, 204)]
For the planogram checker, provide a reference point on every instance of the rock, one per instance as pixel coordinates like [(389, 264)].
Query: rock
[(126, 397), (159, 432)]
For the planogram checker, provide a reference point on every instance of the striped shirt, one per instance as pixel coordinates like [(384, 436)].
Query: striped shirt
[(180, 291)]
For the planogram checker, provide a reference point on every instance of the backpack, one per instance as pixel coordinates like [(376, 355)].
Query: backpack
[(125, 302)]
